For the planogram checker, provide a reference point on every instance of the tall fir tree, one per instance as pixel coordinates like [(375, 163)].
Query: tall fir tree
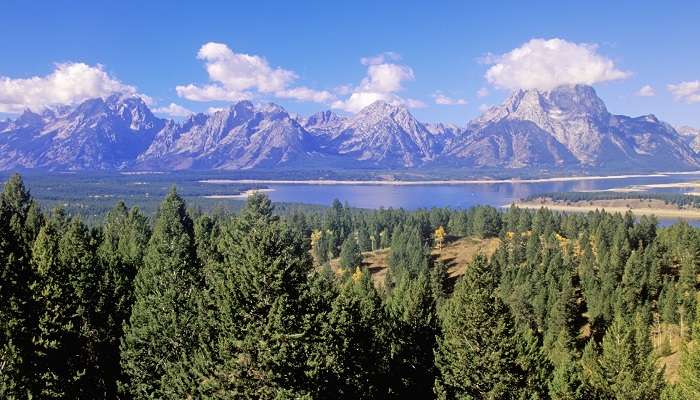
[(125, 234), (255, 309), (67, 342), (624, 367), (477, 354), (161, 329), (350, 255), (688, 386), (18, 214), (414, 328)]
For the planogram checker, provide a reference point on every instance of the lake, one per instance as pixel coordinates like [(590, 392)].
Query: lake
[(457, 195)]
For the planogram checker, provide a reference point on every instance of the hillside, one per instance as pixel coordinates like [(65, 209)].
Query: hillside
[(456, 255)]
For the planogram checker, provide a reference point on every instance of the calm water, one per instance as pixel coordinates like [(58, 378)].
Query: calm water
[(456, 196)]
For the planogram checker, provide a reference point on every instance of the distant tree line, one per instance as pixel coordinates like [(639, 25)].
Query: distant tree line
[(188, 305), (680, 200)]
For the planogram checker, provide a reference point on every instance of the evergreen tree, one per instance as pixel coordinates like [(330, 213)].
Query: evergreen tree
[(408, 254), (414, 328), (124, 237), (350, 255), (161, 329), (17, 212), (625, 367), (477, 355), (535, 366), (688, 386), (67, 342), (255, 309), (354, 360)]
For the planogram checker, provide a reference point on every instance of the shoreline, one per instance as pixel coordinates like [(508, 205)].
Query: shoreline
[(658, 212), (437, 182), (240, 196)]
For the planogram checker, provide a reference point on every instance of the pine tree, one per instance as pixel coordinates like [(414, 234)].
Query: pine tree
[(160, 329), (67, 343), (353, 362), (477, 355), (255, 306), (688, 386), (535, 366), (624, 367), (125, 234), (350, 255), (408, 254), (17, 217), (414, 327)]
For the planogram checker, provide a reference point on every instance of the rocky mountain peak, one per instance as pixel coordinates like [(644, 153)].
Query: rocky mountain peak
[(564, 102)]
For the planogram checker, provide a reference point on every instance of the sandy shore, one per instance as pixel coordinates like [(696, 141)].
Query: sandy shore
[(657, 211), (242, 195), (420, 183)]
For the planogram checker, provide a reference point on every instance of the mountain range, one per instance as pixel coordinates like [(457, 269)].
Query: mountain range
[(569, 126)]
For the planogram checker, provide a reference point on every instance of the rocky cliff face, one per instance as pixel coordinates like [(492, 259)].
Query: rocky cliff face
[(690, 136)]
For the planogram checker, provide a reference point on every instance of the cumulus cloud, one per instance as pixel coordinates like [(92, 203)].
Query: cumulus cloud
[(382, 81), (69, 83), (484, 107), (645, 91), (688, 92), (443, 100), (305, 94), (380, 58), (546, 64), (214, 110), (173, 110), (483, 92), (238, 76)]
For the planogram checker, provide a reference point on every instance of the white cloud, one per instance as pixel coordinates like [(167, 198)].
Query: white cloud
[(238, 76), (305, 94), (380, 58), (645, 91), (546, 64), (382, 81), (210, 93), (69, 83), (688, 92), (483, 92), (484, 107), (214, 110), (173, 110), (444, 100), (343, 90)]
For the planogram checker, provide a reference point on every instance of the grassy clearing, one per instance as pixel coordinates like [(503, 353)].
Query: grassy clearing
[(456, 254)]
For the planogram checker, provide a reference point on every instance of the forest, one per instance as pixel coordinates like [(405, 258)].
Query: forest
[(246, 304), (677, 199)]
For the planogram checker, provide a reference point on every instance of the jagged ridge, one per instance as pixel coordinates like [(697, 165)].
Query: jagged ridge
[(567, 126)]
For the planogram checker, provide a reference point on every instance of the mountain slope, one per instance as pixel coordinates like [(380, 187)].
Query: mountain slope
[(240, 137), (691, 136), (565, 127), (578, 119), (97, 134), (385, 135)]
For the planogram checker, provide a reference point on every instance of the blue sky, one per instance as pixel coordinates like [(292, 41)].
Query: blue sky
[(437, 49)]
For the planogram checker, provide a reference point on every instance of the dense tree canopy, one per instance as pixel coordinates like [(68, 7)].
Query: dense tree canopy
[(280, 303)]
